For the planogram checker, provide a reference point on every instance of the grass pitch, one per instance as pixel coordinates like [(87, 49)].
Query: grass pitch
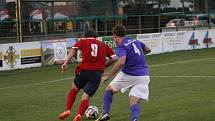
[(181, 89)]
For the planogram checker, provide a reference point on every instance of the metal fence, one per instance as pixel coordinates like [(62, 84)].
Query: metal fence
[(26, 20), (74, 27)]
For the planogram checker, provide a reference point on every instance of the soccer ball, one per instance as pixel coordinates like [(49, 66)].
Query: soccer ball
[(92, 112)]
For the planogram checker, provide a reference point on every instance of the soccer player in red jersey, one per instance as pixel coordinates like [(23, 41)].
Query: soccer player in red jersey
[(88, 73)]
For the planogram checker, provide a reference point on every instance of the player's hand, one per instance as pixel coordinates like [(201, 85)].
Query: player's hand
[(64, 67)]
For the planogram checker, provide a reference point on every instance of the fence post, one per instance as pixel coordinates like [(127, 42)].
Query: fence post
[(96, 25), (177, 25), (140, 25), (209, 20), (159, 25), (45, 28), (18, 21)]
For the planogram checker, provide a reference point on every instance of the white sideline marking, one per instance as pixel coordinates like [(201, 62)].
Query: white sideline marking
[(158, 65), (181, 62), (39, 83)]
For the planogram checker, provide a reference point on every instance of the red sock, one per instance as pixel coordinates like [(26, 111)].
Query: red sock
[(71, 98), (83, 106)]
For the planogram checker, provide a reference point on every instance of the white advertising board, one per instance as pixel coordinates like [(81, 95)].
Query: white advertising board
[(174, 41), (11, 56), (60, 51), (28, 54), (205, 38), (194, 39), (153, 41), (54, 51), (31, 54), (212, 36), (20, 55)]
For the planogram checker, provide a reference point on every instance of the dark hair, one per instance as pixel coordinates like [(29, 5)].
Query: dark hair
[(90, 33), (119, 30)]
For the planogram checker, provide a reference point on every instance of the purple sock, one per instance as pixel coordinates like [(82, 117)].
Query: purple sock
[(135, 111), (107, 100)]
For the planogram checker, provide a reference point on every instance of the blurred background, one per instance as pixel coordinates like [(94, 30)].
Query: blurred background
[(29, 20)]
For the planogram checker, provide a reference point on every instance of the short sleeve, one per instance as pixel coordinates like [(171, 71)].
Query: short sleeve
[(120, 51), (142, 45), (78, 45)]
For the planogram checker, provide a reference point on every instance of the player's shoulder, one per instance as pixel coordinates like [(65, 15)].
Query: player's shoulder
[(91, 40), (88, 39)]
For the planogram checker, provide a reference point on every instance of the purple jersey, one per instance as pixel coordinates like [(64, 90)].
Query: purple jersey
[(135, 64)]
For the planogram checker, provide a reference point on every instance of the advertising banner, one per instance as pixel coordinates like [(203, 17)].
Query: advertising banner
[(205, 38), (212, 36), (60, 51), (48, 52), (54, 52), (20, 55), (79, 54), (109, 41), (31, 54), (192, 40), (153, 41), (174, 41), (11, 56), (199, 35)]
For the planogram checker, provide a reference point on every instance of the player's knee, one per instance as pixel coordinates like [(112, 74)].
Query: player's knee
[(75, 87), (134, 100), (85, 96), (110, 88)]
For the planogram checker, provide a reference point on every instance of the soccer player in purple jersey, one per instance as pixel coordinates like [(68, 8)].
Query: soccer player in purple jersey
[(133, 73)]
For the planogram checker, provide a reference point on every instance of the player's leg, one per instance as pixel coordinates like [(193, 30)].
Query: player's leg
[(138, 92), (93, 79), (115, 85), (135, 108), (76, 86), (71, 97), (84, 104), (107, 101), (70, 101)]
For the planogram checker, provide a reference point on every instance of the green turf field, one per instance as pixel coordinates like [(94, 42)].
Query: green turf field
[(182, 88)]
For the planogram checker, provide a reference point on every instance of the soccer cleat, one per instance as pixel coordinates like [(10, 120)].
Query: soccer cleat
[(104, 117), (77, 118), (64, 115)]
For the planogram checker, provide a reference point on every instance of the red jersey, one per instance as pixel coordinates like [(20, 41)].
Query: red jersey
[(93, 52)]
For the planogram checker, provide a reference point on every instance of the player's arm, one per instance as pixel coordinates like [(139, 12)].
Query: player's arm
[(146, 50), (71, 53), (64, 66), (110, 55), (117, 66), (110, 60)]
